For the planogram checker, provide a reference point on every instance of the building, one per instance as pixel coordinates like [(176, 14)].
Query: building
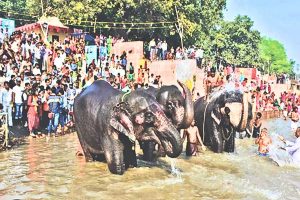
[(50, 26)]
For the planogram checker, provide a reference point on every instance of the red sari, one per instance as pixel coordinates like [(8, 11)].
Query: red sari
[(33, 117)]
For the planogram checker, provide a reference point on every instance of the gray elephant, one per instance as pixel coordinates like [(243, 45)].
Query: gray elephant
[(108, 122), (177, 106), (221, 116)]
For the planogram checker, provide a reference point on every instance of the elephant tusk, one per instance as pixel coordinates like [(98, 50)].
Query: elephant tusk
[(215, 118)]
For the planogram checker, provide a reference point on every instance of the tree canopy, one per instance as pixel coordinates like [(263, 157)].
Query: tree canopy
[(273, 56), (234, 42)]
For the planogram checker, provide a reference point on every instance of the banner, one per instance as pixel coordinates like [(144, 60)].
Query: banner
[(184, 73), (90, 53), (7, 25)]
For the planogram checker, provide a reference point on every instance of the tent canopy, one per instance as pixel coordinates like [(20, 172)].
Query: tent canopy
[(87, 37)]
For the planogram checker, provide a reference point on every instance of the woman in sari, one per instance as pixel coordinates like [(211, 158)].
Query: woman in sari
[(33, 117)]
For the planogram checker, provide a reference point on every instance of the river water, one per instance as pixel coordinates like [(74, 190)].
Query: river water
[(43, 169)]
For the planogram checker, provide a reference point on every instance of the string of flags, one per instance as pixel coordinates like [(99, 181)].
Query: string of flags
[(105, 25)]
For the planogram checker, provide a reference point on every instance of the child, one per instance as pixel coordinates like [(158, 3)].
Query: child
[(263, 142), (256, 125), (193, 138)]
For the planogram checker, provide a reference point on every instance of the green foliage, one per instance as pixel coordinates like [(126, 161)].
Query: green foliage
[(273, 56), (237, 43), (202, 20)]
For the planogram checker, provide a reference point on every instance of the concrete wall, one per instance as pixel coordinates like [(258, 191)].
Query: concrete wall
[(134, 51), (171, 70)]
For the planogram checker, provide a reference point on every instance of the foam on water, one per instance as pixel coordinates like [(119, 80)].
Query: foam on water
[(175, 171), (278, 154)]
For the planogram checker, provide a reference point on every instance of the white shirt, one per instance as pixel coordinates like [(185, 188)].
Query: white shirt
[(18, 90), (36, 71), (6, 97), (164, 46), (37, 53), (58, 62), (199, 53)]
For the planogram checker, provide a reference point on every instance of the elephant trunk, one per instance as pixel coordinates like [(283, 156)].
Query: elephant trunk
[(245, 108), (169, 137), (188, 108)]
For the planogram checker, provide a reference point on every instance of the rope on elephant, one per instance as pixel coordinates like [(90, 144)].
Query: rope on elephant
[(227, 138), (124, 95)]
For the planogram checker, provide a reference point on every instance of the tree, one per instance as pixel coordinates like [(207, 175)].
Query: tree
[(273, 56), (237, 43)]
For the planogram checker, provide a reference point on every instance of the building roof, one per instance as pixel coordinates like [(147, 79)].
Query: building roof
[(53, 22)]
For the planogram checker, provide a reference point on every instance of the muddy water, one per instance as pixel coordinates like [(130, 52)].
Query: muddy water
[(50, 170)]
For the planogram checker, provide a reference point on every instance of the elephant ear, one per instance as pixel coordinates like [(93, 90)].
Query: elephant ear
[(122, 127)]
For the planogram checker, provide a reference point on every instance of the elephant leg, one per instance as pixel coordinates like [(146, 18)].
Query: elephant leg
[(216, 139), (114, 156), (87, 154), (230, 143), (148, 150), (129, 154)]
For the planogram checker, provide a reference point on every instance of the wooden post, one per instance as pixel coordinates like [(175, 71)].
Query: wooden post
[(95, 25)]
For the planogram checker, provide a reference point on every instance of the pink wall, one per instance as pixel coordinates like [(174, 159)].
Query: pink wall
[(134, 51)]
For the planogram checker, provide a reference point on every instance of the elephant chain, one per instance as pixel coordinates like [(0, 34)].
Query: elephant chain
[(226, 138), (122, 107)]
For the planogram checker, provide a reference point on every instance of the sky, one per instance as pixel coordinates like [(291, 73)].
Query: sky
[(277, 19)]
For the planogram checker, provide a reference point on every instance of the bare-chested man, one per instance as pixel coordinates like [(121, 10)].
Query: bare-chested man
[(211, 82), (193, 138), (257, 122), (263, 142)]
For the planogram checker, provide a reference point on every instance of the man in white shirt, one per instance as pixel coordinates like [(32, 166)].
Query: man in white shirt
[(17, 99), (36, 70), (199, 56), (58, 62), (6, 98)]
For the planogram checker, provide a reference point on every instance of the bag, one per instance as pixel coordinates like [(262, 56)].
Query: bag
[(50, 115)]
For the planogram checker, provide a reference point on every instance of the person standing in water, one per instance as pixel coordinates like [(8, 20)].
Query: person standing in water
[(256, 125), (263, 142), (293, 148), (193, 137)]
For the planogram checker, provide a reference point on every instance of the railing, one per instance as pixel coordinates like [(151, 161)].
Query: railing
[(4, 129), (270, 114)]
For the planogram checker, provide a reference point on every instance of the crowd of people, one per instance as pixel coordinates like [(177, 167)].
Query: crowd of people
[(159, 50), (40, 79)]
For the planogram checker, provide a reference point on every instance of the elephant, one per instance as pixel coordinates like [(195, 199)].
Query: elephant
[(178, 108), (109, 121), (222, 115)]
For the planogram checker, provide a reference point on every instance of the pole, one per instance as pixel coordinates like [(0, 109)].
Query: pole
[(95, 25), (179, 28), (42, 5)]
